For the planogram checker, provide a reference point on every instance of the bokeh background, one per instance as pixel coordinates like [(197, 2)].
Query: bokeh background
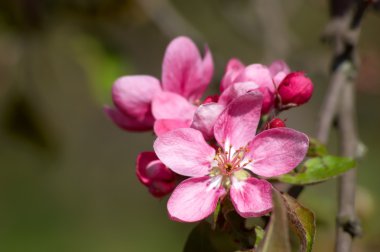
[(67, 177)]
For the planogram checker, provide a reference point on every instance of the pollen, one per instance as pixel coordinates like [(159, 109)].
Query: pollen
[(228, 167), (231, 160)]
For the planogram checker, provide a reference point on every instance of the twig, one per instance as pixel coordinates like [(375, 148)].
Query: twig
[(347, 223), (343, 33), (168, 19), (343, 73)]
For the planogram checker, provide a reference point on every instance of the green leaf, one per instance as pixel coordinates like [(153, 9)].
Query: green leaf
[(276, 236), (215, 215), (204, 239), (316, 148), (319, 169), (259, 231), (302, 221)]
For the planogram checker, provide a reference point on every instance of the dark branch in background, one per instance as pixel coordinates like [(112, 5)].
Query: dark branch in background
[(340, 7), (344, 67), (342, 32), (168, 19)]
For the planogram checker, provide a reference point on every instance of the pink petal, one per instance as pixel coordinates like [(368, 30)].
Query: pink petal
[(133, 94), (279, 69), (233, 69), (251, 197), (279, 66), (167, 105), (257, 73), (278, 78), (127, 122), (184, 71), (236, 90), (277, 151), (194, 199), (268, 100), (185, 152), (238, 122), (205, 117), (162, 126), (208, 70)]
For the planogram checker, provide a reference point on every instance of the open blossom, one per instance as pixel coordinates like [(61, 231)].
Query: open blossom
[(142, 102), (234, 167), (154, 174)]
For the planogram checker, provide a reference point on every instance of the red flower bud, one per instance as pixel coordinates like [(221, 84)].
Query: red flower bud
[(154, 174), (161, 188), (211, 98), (275, 123), (296, 89)]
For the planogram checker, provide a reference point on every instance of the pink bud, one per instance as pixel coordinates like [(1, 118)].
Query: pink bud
[(296, 89), (275, 123), (211, 98)]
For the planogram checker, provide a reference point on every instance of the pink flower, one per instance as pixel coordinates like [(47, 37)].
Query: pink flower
[(154, 174), (235, 167), (141, 101), (296, 89)]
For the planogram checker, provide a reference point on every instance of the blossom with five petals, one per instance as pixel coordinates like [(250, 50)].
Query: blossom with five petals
[(235, 167)]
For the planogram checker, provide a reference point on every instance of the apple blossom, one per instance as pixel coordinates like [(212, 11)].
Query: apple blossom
[(234, 167)]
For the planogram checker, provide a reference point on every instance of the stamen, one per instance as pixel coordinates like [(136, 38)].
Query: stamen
[(230, 160)]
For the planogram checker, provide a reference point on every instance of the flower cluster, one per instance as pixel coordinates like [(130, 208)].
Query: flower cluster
[(223, 147)]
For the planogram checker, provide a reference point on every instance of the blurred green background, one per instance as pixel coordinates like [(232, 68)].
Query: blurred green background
[(67, 178)]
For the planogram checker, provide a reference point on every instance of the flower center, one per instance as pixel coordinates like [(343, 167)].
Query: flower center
[(230, 160)]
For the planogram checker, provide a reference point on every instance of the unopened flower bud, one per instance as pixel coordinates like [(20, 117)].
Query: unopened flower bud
[(275, 123), (296, 89), (211, 98), (154, 174), (156, 170), (161, 188)]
